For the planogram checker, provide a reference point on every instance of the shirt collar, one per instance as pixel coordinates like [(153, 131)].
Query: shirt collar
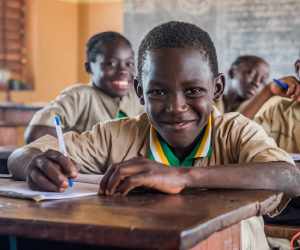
[(160, 152)]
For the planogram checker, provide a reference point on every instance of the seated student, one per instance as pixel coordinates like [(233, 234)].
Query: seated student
[(181, 142), (109, 95), (282, 123), (247, 74)]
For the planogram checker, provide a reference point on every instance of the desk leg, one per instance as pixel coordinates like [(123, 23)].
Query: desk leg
[(226, 239)]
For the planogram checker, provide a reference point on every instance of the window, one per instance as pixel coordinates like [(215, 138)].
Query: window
[(12, 39)]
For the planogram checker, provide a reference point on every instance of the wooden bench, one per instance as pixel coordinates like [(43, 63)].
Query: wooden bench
[(282, 231)]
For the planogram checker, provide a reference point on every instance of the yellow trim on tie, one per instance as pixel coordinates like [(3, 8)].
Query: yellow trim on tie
[(201, 147), (158, 147)]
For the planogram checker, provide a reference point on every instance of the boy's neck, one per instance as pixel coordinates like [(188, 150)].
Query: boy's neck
[(231, 101), (182, 153)]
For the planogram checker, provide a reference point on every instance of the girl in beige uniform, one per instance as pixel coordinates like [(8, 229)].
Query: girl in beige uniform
[(181, 142), (109, 95)]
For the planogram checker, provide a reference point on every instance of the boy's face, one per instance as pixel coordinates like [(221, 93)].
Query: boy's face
[(249, 78), (113, 70), (178, 91), (297, 68)]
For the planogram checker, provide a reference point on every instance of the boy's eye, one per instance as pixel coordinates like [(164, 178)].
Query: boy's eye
[(194, 91), (113, 64), (251, 73), (156, 92), (130, 64), (263, 81)]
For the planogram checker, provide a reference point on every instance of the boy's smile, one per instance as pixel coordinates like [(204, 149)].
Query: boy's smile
[(178, 93)]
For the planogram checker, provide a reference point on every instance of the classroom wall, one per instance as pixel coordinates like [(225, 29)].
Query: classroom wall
[(57, 31)]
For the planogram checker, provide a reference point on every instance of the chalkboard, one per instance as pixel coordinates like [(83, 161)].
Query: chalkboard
[(266, 28)]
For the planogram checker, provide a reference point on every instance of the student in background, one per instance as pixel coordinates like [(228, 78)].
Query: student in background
[(282, 123), (109, 95), (247, 75), (181, 142)]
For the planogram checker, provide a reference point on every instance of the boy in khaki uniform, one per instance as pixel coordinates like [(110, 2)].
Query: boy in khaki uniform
[(282, 123), (108, 96), (182, 141)]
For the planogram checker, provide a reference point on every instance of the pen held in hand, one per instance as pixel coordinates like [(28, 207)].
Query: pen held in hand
[(61, 142), (281, 83)]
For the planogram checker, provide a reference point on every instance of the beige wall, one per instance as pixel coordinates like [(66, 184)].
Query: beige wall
[(56, 35)]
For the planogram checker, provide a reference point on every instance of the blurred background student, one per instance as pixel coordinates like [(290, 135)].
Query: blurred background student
[(109, 95), (246, 77)]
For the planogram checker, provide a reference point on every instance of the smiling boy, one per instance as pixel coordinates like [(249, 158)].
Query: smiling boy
[(182, 141)]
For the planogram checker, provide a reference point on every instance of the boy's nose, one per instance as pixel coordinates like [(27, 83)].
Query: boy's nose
[(176, 105), (122, 70)]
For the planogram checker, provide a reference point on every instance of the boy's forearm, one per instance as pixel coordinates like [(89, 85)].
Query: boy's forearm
[(256, 103), (270, 175), (19, 160)]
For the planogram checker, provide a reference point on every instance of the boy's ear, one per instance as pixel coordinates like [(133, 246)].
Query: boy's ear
[(231, 73), (219, 87), (297, 68), (138, 87), (87, 67)]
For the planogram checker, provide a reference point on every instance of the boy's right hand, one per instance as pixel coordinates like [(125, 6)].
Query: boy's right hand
[(292, 92), (50, 171)]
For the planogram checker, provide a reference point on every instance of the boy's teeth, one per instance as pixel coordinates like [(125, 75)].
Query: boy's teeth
[(121, 83)]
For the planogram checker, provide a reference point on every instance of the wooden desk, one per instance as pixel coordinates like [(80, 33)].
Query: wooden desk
[(209, 219), (5, 152)]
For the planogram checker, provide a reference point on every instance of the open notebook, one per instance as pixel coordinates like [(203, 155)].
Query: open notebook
[(84, 185)]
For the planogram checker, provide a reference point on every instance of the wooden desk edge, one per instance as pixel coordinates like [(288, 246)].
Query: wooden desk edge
[(190, 238)]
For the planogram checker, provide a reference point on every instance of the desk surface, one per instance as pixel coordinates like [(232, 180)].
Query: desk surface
[(138, 220)]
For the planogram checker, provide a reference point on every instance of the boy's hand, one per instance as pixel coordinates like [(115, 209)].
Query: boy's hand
[(142, 172), (49, 171), (292, 92)]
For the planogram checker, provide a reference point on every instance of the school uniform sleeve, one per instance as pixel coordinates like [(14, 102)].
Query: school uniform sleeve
[(67, 106), (253, 145), (108, 143), (265, 119), (89, 150)]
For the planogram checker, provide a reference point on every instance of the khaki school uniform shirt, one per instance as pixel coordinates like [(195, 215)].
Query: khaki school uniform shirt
[(82, 106), (282, 122), (220, 105), (235, 139)]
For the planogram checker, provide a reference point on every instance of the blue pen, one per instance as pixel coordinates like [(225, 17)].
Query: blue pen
[(281, 83), (61, 141)]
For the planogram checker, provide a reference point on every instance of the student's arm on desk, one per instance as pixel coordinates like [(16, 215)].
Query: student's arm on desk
[(34, 132), (137, 172), (42, 171), (269, 91)]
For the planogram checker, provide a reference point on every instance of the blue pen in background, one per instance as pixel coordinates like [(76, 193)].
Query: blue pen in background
[(61, 141), (281, 83)]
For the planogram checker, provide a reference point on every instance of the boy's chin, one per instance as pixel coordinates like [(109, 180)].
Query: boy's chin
[(177, 142)]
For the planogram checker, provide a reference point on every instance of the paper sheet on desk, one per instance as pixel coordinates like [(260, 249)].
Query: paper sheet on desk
[(19, 189)]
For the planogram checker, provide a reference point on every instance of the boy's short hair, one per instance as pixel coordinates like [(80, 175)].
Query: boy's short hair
[(176, 34), (246, 58), (93, 48)]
